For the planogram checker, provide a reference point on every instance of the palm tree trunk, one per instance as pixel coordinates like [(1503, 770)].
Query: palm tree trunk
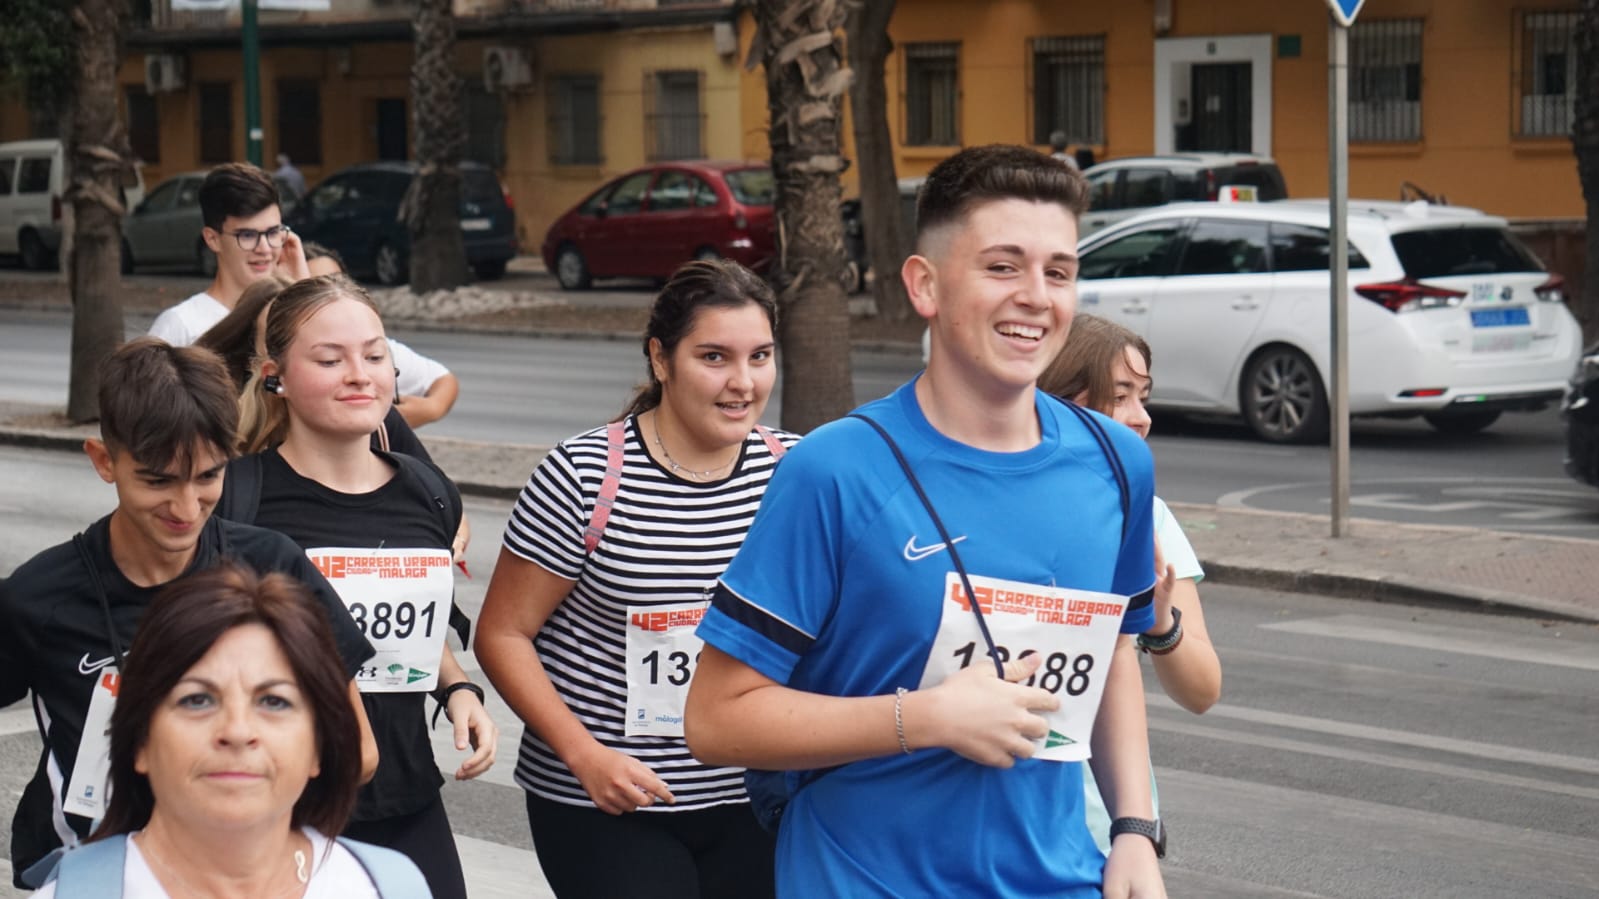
[(96, 154), (432, 206), (798, 40), (887, 233)]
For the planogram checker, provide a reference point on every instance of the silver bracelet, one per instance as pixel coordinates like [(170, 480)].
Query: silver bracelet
[(899, 719)]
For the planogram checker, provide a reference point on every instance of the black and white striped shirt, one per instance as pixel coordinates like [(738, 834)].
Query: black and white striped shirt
[(667, 541)]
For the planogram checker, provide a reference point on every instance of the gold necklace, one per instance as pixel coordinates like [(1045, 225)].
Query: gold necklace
[(677, 467), (302, 875)]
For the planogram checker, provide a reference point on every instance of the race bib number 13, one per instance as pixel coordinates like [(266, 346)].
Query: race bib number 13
[(400, 599), (1074, 630), (662, 652)]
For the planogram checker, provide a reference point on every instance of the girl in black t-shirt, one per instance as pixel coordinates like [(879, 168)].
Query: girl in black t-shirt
[(377, 526)]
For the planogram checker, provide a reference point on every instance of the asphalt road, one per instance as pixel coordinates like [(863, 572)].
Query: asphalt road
[(1360, 750), (538, 391)]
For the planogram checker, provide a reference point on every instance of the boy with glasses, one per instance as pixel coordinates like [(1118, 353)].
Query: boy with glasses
[(244, 228)]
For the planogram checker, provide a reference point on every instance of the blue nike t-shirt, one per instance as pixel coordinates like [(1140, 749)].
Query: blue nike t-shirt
[(837, 590)]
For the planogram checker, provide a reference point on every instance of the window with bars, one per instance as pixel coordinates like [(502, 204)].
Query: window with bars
[(1548, 76), (216, 121), (672, 119), (1069, 89), (144, 124), (300, 121), (932, 94), (484, 114), (1385, 81), (574, 132)]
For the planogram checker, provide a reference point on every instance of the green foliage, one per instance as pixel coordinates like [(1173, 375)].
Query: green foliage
[(36, 51)]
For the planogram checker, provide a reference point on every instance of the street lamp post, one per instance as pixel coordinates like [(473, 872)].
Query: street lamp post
[(251, 35)]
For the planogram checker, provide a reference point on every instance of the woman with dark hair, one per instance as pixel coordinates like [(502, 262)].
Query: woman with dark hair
[(234, 754), (380, 525), (587, 629), (1106, 367)]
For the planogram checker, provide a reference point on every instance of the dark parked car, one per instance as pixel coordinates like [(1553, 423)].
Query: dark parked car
[(1121, 188), (356, 212), (649, 221), (1581, 410)]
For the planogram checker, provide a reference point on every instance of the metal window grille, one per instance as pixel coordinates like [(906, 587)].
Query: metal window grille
[(1548, 74), (484, 126), (672, 121), (574, 132), (144, 124), (216, 121), (300, 121), (932, 92), (1385, 81), (1069, 89)]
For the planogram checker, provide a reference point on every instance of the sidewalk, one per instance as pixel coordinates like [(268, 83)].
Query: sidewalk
[(1457, 567)]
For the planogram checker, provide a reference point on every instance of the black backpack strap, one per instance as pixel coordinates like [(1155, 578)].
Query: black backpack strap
[(449, 505), (1114, 458), (241, 493)]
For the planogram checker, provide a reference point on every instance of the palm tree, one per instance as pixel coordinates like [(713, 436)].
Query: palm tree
[(432, 206), (97, 155), (1585, 141), (887, 234), (806, 77)]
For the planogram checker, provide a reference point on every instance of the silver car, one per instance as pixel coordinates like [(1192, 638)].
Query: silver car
[(164, 229)]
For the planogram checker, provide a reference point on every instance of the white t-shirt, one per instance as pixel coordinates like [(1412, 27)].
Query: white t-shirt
[(1174, 545), (334, 875), (417, 372), (182, 325)]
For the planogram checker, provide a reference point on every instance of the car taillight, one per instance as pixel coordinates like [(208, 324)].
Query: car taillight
[(510, 202), (739, 221), (1552, 290), (1408, 295), (55, 208)]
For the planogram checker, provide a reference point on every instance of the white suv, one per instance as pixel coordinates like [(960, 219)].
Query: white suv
[(1450, 317)]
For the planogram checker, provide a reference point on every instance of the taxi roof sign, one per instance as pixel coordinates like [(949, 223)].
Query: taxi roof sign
[(1345, 10)]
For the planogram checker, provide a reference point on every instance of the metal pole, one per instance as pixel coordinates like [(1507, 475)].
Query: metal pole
[(1338, 206), (252, 83)]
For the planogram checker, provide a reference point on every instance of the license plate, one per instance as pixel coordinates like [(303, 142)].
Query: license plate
[(1499, 318), (479, 224)]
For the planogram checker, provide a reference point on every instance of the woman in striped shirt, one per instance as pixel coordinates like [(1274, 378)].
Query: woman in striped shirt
[(587, 630)]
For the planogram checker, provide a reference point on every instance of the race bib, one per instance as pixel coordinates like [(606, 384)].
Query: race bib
[(90, 789), (400, 599), (1074, 630), (661, 654)]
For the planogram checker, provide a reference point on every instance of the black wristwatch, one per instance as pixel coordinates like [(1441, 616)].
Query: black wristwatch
[(1160, 644), (1144, 827)]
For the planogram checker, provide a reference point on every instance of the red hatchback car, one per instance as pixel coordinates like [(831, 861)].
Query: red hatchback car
[(651, 220)]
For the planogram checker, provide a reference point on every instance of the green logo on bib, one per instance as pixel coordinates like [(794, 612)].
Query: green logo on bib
[(1056, 738), (416, 675)]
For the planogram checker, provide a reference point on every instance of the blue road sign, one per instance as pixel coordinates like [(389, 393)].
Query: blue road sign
[(1345, 10)]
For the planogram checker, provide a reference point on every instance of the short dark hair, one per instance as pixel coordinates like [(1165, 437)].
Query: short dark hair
[(235, 189), (182, 624), (1086, 363), (158, 402), (711, 283), (314, 250), (995, 172), (233, 338)]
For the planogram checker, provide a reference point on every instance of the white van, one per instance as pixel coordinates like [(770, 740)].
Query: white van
[(32, 176)]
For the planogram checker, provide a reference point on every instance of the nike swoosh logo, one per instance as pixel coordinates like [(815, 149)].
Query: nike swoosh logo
[(914, 553), (87, 667)]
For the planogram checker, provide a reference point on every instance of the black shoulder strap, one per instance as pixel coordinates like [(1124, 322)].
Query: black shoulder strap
[(447, 501), (241, 493)]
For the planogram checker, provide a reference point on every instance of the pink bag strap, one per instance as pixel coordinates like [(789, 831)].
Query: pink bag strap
[(773, 445), (614, 437)]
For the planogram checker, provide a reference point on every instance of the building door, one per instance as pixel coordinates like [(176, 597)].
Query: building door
[(392, 138), (1221, 109)]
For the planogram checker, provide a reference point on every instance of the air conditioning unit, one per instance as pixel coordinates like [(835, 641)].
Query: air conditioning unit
[(506, 68), (163, 72)]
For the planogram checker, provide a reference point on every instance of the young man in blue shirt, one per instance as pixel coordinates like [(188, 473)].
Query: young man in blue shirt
[(841, 647)]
